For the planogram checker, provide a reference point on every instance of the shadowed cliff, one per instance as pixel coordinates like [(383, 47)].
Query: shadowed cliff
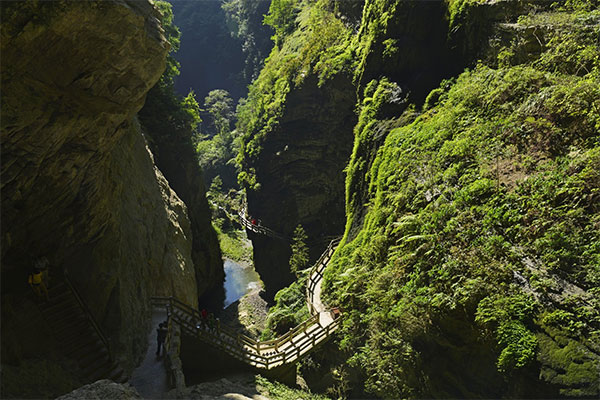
[(79, 184)]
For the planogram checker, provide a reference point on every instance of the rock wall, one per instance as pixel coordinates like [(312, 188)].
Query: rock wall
[(176, 159), (301, 174), (103, 389), (79, 185)]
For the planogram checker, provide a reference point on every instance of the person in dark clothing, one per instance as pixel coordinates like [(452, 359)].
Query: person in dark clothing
[(161, 335)]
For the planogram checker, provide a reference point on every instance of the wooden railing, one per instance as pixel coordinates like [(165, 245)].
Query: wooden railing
[(265, 354), (316, 275)]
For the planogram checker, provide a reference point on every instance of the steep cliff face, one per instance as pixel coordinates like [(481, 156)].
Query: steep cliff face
[(323, 67), (469, 266), (176, 159), (470, 262), (79, 185), (297, 143), (301, 173)]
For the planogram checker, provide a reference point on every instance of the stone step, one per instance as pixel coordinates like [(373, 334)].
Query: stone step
[(80, 331), (58, 302), (71, 329), (66, 317)]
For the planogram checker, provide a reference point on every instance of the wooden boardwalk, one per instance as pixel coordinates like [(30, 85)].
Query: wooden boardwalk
[(266, 354)]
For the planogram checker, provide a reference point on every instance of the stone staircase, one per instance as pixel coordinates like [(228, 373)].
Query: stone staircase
[(78, 338)]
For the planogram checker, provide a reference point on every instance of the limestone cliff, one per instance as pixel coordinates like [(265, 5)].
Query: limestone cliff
[(301, 174), (79, 184), (296, 147), (174, 155)]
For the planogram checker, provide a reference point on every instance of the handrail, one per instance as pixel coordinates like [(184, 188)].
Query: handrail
[(88, 313), (259, 228), (263, 230), (262, 354), (317, 270), (268, 354)]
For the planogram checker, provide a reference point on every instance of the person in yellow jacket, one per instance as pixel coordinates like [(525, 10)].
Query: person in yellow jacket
[(36, 281)]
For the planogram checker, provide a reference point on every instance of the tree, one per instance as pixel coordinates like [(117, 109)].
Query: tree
[(219, 106), (245, 17), (282, 18), (173, 36), (299, 257)]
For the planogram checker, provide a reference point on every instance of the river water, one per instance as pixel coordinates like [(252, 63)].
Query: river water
[(239, 280)]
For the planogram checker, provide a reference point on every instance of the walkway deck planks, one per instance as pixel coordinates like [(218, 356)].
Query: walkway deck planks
[(267, 354)]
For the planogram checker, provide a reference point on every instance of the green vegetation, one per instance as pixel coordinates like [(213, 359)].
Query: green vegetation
[(299, 256), (233, 244), (246, 17), (318, 46), (170, 120), (232, 238), (510, 316), (289, 310), (472, 219), (279, 391), (281, 17), (497, 178), (217, 144)]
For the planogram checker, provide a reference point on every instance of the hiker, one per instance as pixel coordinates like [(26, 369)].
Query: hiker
[(36, 281), (211, 321), (42, 264), (161, 335), (204, 316)]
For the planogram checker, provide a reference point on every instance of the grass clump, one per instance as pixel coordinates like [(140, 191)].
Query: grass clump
[(280, 391), (234, 245), (289, 310)]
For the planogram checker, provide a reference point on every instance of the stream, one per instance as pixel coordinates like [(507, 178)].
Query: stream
[(239, 280)]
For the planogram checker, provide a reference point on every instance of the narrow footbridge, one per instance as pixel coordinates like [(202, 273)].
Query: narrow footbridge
[(265, 354), (257, 227)]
